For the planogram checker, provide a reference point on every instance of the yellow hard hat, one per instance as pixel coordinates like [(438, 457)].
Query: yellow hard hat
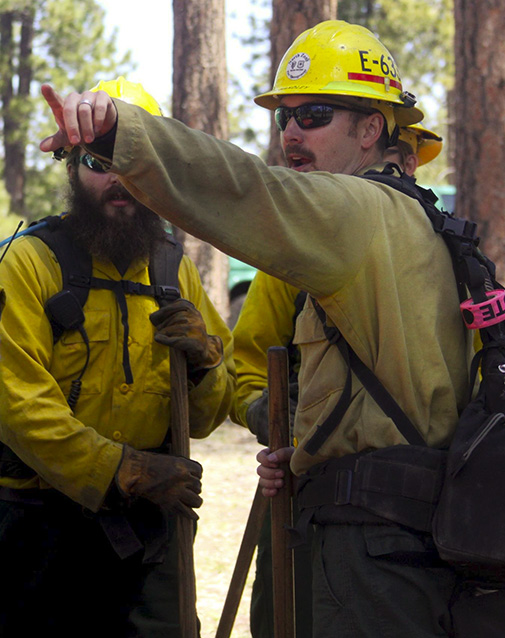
[(130, 92), (425, 143), (346, 62)]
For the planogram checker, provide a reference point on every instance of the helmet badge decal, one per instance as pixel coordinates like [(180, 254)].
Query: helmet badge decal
[(298, 66)]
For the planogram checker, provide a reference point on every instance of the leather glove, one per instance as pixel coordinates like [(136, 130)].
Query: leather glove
[(180, 325), (172, 482), (257, 413)]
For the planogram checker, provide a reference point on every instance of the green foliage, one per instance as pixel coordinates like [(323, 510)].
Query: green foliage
[(71, 52), (73, 49), (8, 223)]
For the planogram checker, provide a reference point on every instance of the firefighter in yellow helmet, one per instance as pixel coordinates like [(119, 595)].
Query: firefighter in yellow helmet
[(89, 492), (129, 92), (379, 279), (347, 65), (268, 318), (416, 146)]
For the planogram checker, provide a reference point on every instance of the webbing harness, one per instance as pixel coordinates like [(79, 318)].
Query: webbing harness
[(76, 269), (65, 310), (401, 484), (473, 271)]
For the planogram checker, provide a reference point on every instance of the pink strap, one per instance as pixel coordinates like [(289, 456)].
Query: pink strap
[(486, 313)]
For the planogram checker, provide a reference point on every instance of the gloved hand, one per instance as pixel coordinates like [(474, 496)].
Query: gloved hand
[(180, 325), (257, 413), (172, 482)]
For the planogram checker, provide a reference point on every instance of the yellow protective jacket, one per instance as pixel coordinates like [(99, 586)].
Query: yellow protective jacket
[(266, 319), (78, 453), (367, 252)]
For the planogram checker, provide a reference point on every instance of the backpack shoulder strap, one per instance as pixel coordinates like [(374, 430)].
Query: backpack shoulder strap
[(76, 269), (372, 385), (164, 269), (473, 272), (164, 276)]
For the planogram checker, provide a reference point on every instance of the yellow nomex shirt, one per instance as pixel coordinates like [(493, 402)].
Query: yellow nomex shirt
[(78, 453)]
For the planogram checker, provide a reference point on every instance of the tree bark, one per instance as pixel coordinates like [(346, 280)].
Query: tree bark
[(15, 60), (289, 19), (200, 101), (479, 102)]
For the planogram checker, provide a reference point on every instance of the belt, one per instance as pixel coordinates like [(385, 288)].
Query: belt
[(399, 484)]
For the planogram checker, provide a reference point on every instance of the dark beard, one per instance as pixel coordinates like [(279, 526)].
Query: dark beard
[(121, 239)]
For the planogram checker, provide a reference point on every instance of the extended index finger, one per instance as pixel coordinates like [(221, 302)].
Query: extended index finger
[(54, 101)]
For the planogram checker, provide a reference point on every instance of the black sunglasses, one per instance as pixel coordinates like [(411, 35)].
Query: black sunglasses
[(306, 115), (91, 162)]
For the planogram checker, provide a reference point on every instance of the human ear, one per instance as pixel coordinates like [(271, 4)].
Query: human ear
[(411, 164), (71, 172), (372, 127)]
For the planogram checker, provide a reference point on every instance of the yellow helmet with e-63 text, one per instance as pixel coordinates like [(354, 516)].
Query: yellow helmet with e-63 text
[(131, 92), (347, 63)]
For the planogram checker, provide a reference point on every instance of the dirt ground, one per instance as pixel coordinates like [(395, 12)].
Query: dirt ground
[(228, 457)]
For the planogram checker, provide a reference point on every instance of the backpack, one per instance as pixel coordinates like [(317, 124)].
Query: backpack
[(455, 494), (65, 309)]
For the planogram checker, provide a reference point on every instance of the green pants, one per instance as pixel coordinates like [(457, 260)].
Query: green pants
[(262, 605), (374, 581), (62, 578), (479, 611)]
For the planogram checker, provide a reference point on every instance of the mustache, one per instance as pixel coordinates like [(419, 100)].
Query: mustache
[(116, 191), (298, 149)]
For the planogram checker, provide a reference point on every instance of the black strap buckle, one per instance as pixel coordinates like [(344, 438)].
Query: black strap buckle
[(169, 293), (82, 281), (343, 486)]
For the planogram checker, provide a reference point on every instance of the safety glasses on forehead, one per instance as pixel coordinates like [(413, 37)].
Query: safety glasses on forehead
[(91, 162), (306, 115)]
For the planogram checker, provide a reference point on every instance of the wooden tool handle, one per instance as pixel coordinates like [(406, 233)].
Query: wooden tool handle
[(281, 504), (185, 526), (245, 555)]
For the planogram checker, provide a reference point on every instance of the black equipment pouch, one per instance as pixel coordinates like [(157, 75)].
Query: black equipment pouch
[(470, 519)]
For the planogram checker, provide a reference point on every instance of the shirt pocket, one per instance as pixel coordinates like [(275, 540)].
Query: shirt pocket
[(70, 354), (323, 371), (157, 375)]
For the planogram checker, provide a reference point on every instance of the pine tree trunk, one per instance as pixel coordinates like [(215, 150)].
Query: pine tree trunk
[(479, 101), (289, 19), (200, 101), (15, 61)]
